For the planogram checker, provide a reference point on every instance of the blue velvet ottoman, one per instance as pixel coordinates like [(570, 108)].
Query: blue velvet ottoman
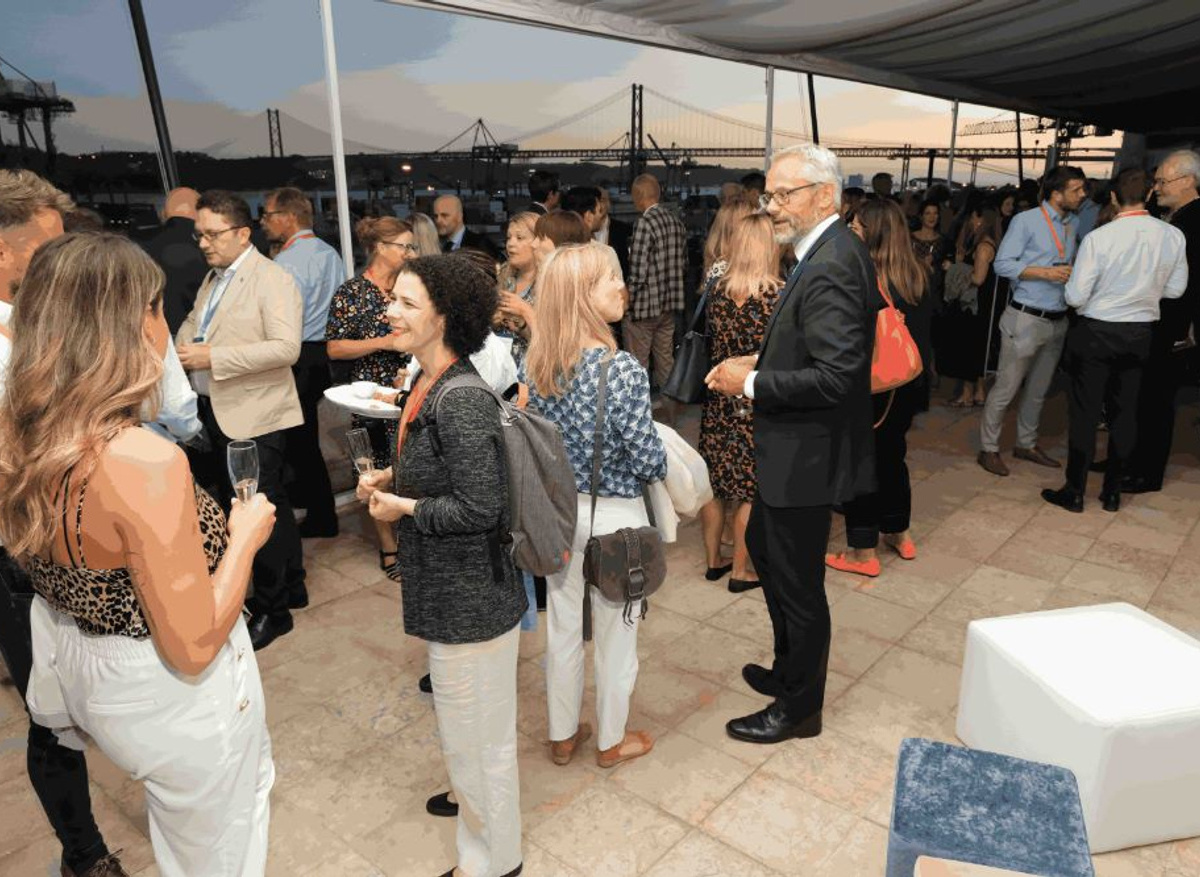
[(990, 809)]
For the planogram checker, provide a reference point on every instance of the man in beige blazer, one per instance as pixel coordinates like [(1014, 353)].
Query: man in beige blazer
[(239, 344)]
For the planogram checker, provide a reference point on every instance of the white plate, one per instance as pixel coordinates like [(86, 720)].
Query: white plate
[(344, 397)]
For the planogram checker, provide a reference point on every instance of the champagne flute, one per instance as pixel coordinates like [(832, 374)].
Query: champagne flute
[(242, 457), (361, 454)]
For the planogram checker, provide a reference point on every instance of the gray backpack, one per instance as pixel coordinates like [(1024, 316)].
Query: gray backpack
[(542, 496)]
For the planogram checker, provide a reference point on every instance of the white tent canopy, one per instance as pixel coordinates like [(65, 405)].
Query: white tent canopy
[(1127, 64)]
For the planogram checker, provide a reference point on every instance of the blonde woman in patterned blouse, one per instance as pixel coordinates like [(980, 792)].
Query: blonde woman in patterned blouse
[(138, 636)]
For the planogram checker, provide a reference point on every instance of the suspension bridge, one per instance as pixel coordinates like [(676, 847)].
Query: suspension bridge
[(635, 126)]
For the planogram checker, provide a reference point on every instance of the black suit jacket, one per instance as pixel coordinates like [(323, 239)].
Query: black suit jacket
[(176, 252), (473, 240), (619, 234), (813, 439)]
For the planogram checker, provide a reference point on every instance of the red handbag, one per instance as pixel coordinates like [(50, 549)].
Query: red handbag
[(895, 360)]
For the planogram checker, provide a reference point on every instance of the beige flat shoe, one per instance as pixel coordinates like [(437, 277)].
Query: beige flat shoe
[(562, 751), (635, 745)]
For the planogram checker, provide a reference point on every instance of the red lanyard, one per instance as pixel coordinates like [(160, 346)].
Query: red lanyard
[(1132, 213), (293, 240), (1062, 250), (416, 401)]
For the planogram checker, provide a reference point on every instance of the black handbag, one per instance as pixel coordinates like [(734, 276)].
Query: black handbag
[(630, 564), (692, 364)]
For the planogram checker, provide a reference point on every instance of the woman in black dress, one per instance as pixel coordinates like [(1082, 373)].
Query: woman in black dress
[(967, 321), (739, 307), (358, 332)]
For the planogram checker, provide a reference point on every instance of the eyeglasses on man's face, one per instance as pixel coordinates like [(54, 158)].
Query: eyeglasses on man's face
[(781, 196), (211, 236), (1159, 182)]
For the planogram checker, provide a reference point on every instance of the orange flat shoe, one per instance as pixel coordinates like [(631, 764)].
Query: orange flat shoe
[(562, 751), (840, 562), (635, 745), (906, 549)]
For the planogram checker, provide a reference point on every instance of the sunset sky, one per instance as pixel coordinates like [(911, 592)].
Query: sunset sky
[(410, 80)]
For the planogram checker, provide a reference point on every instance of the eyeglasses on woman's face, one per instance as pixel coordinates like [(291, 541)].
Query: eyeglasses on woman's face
[(407, 247)]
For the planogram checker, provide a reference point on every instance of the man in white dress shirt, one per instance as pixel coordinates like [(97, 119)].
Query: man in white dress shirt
[(1121, 273)]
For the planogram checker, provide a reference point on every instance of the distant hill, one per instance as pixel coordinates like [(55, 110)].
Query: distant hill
[(124, 123)]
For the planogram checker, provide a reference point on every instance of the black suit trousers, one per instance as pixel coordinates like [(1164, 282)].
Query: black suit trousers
[(1161, 379), (1105, 362), (308, 476), (279, 565), (787, 546), (57, 773)]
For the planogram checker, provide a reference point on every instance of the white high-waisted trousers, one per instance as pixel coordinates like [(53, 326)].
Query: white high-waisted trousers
[(198, 743), (615, 641), (475, 700)]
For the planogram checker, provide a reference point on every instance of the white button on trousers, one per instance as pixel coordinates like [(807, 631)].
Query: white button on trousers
[(198, 743)]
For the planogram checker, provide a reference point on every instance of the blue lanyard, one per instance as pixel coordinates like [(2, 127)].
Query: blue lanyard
[(210, 307)]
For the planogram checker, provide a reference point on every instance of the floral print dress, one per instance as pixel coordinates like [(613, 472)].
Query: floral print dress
[(726, 423), (357, 312)]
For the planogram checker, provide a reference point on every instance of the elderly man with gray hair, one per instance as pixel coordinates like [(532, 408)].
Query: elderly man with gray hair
[(811, 389), (1175, 185)]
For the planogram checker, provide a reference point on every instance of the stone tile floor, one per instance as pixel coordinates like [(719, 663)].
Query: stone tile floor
[(356, 744)]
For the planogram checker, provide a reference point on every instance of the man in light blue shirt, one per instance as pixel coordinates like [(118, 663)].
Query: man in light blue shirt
[(287, 219), (1036, 256)]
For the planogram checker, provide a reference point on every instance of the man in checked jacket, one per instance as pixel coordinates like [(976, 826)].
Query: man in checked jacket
[(657, 266)]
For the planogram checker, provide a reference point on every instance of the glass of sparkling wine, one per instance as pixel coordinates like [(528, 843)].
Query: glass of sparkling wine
[(361, 454), (243, 469)]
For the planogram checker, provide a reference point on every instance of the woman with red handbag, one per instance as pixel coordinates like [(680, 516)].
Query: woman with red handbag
[(904, 284)]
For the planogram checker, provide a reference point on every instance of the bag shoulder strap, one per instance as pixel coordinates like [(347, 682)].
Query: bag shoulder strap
[(598, 433), (883, 290), (709, 286)]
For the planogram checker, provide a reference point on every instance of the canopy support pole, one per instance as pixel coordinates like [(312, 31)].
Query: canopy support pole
[(812, 110), (335, 132), (770, 117), (1020, 154), (953, 143), (166, 156)]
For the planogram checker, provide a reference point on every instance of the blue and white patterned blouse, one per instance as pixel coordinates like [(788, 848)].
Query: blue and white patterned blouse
[(633, 452)]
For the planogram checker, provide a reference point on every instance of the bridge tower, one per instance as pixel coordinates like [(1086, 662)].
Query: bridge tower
[(636, 132), (274, 133)]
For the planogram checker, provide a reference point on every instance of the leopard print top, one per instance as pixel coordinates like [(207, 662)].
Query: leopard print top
[(102, 601)]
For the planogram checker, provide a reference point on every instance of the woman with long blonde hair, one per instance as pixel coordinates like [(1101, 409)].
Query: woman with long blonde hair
[(739, 306), (579, 294), (516, 280), (716, 245), (904, 281), (138, 637), (425, 235)]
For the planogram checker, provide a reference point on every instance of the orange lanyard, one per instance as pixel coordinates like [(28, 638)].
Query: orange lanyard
[(293, 240), (412, 407), (1132, 213), (1058, 244)]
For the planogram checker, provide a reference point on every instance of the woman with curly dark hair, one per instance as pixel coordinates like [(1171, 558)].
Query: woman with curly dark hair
[(449, 501)]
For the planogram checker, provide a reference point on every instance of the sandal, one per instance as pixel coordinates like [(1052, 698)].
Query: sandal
[(961, 403), (621, 752), (562, 751), (391, 568)]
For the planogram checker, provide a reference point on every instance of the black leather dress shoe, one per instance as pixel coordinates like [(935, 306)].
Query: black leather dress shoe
[(737, 586), (1064, 499), (773, 725), (1138, 484), (265, 629), (298, 598), (441, 805), (760, 679), (426, 684), (1111, 501)]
